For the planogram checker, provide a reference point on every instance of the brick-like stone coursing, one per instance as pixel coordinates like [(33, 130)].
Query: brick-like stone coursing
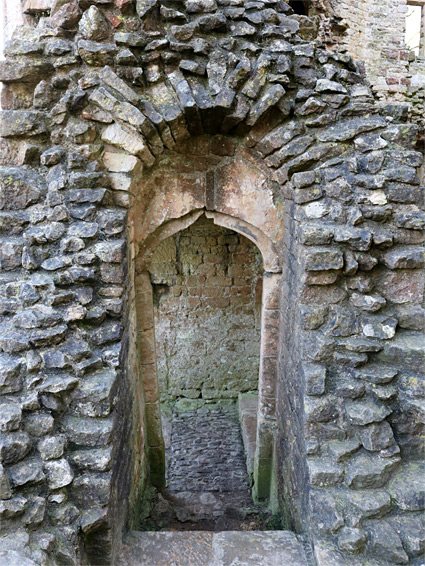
[(207, 292)]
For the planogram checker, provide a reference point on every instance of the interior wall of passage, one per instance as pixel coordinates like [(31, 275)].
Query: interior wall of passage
[(207, 283)]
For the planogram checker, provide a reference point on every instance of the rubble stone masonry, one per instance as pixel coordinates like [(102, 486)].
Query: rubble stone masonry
[(124, 122)]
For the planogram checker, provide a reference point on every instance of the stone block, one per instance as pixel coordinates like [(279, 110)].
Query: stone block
[(324, 473), (366, 412), (407, 488), (369, 471), (14, 446), (314, 378), (385, 541), (131, 142), (87, 431), (121, 162), (94, 459), (26, 473), (10, 415), (324, 259), (59, 473), (91, 489), (407, 258), (94, 396)]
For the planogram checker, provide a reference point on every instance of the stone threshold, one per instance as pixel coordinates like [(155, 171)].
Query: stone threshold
[(231, 548)]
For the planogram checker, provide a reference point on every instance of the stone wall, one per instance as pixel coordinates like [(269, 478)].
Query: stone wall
[(373, 32), (207, 296), (101, 105)]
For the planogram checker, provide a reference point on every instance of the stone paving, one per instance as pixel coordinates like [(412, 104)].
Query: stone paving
[(268, 548), (208, 486), (206, 451)]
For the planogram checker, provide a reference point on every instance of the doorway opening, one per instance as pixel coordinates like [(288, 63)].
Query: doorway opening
[(207, 295)]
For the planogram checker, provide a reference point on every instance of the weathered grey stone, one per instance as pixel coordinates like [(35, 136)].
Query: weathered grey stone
[(51, 447), (316, 234), (324, 473), (5, 489), (315, 379), (342, 449), (412, 533), (410, 220), (319, 410), (379, 327), (109, 332), (93, 398), (92, 488), (97, 54), (59, 384), (14, 446), (377, 437), (59, 473), (24, 71), (364, 504), (376, 374), (67, 15), (93, 520), (386, 542), (369, 471), (39, 316), (63, 514), (408, 347), (407, 488), (351, 128), (93, 25), (325, 85), (19, 188), (39, 424), (22, 123), (87, 431), (35, 512), (368, 303), (408, 258), (352, 540), (324, 506), (28, 472), (10, 374), (366, 412), (196, 6), (10, 415), (11, 508), (357, 238), (95, 460), (324, 259)]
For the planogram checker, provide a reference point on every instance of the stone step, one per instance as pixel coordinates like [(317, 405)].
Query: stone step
[(230, 548)]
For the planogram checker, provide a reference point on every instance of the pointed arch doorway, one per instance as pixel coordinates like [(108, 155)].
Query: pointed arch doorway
[(263, 459)]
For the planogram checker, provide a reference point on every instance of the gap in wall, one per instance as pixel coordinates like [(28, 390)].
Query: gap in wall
[(207, 289)]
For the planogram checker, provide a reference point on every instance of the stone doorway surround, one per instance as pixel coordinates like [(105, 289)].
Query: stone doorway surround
[(247, 217)]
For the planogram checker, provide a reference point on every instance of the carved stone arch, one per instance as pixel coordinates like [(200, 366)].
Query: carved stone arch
[(263, 461), (269, 254)]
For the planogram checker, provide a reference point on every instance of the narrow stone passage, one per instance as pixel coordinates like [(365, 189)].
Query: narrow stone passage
[(208, 486), (206, 451)]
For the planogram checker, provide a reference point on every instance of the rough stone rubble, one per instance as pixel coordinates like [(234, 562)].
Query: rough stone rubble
[(95, 94)]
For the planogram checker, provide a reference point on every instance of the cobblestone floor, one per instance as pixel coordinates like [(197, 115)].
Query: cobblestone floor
[(207, 480), (206, 451)]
